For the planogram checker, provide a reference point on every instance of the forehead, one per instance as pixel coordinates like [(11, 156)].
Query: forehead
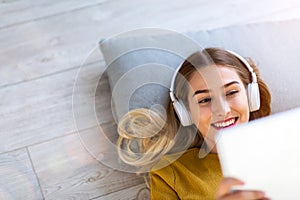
[(211, 77)]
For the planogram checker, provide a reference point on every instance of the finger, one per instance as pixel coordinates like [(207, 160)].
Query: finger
[(265, 198), (226, 184), (246, 195)]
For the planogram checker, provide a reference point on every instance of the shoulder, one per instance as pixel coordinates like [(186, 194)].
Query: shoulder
[(186, 161), (170, 160), (169, 166), (188, 173)]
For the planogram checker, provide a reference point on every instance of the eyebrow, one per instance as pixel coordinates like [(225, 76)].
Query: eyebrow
[(207, 91)]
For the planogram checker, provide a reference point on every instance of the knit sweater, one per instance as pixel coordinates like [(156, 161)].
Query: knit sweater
[(189, 177)]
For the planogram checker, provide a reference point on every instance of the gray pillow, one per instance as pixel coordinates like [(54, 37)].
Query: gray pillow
[(140, 67)]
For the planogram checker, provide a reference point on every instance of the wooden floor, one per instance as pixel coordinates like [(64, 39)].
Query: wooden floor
[(46, 48)]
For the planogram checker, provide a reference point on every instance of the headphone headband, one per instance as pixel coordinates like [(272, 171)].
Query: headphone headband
[(246, 63), (172, 94)]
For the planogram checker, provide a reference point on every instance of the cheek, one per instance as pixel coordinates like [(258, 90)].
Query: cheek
[(241, 106), (194, 111), (204, 123), (202, 118), (245, 113)]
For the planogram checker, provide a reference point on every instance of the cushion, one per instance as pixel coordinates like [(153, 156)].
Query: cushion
[(141, 63)]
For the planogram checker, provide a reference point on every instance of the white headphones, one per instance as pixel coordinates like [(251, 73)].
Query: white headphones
[(252, 89)]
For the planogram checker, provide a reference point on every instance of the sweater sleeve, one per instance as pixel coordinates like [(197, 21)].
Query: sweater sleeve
[(162, 184)]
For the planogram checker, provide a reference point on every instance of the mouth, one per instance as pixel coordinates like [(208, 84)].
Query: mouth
[(225, 124)]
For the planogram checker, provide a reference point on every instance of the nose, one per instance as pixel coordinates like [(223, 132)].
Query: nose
[(220, 107)]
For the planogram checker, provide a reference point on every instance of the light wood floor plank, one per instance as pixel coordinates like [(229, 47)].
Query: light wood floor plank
[(16, 12), (67, 171), (39, 48), (18, 180), (139, 192), (42, 109)]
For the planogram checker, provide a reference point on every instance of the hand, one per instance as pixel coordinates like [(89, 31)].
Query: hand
[(224, 192)]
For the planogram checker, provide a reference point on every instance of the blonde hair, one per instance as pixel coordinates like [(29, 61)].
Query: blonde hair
[(144, 136)]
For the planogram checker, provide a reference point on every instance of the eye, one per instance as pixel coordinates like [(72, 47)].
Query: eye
[(204, 100), (232, 92)]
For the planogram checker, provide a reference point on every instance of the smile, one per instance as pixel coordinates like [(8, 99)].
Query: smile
[(225, 124)]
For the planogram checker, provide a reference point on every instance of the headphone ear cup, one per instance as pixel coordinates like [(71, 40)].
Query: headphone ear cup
[(182, 113), (253, 97)]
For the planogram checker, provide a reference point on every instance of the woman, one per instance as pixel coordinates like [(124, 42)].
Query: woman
[(210, 93)]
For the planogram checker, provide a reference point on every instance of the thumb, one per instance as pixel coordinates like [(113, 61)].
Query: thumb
[(226, 184)]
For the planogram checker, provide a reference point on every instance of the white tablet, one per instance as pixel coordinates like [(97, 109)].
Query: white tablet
[(265, 154)]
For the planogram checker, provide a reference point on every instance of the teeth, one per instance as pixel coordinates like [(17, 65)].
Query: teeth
[(224, 124)]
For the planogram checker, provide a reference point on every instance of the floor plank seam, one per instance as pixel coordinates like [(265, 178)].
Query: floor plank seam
[(34, 171), (13, 150), (49, 16), (84, 146), (48, 140), (55, 138), (34, 144), (115, 191), (50, 74)]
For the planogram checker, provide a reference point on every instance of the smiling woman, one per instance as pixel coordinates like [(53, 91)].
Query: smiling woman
[(212, 89)]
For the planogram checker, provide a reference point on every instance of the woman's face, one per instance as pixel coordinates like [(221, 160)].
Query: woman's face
[(217, 100)]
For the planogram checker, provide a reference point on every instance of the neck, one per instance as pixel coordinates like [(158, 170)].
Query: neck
[(210, 147)]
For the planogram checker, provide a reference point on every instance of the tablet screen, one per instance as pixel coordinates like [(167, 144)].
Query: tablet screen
[(265, 154)]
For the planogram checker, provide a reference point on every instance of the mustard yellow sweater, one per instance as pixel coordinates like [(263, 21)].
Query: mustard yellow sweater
[(189, 177)]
